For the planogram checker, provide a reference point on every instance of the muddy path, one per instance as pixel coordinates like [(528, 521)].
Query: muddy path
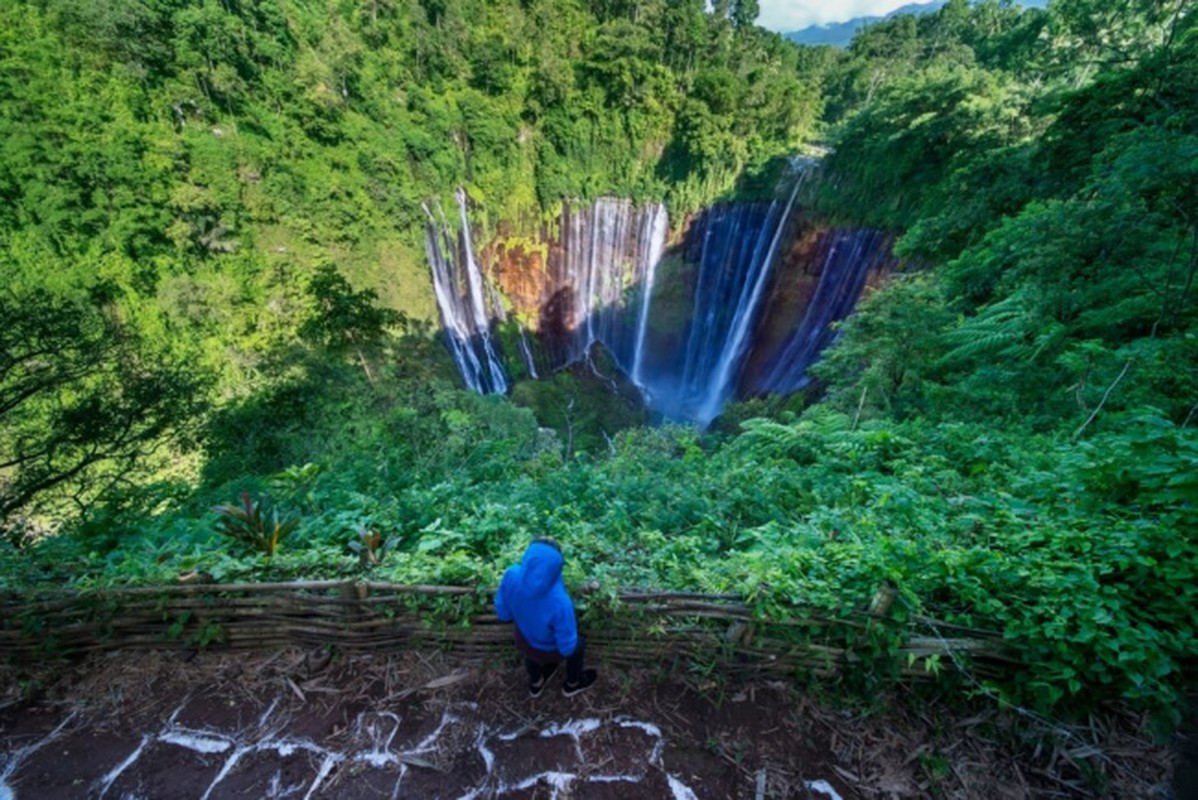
[(295, 724)]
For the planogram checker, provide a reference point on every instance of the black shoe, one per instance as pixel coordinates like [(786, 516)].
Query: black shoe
[(536, 687), (588, 680)]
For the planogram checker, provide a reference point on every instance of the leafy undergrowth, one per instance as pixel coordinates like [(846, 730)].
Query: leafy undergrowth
[(1082, 555)]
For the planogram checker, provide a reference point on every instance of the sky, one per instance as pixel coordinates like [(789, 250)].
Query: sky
[(791, 15)]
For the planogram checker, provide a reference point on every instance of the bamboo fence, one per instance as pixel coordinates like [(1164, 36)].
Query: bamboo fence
[(642, 628)]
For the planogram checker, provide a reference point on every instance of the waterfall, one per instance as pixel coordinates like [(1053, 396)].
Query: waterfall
[(849, 258), (748, 301), (449, 304), (746, 313), (654, 226), (459, 288), (526, 352), (482, 325), (737, 246), (608, 249)]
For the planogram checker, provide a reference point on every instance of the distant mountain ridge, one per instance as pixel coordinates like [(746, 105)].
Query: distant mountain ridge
[(839, 34)]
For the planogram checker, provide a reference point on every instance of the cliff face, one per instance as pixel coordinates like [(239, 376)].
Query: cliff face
[(739, 302), (519, 269), (583, 284), (817, 282)]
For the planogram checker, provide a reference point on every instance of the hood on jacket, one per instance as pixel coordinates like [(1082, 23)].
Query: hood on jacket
[(540, 568)]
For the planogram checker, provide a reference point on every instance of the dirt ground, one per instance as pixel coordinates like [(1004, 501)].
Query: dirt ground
[(144, 725)]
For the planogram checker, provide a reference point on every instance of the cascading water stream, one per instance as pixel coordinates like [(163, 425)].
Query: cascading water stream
[(474, 278), (478, 308), (463, 309), (850, 257), (529, 363), (746, 315), (687, 349), (654, 226), (608, 249), (448, 302)]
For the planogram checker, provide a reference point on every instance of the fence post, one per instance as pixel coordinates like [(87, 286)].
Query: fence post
[(883, 600)]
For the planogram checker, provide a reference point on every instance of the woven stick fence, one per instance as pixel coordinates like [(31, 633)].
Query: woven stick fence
[(644, 627)]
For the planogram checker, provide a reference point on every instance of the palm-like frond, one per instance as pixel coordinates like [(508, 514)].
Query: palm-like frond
[(1003, 328)]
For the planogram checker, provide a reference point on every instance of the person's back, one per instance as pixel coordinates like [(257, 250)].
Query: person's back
[(533, 596)]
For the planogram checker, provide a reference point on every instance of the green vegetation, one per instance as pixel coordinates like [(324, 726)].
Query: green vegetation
[(1047, 173), (253, 524), (231, 180), (204, 204)]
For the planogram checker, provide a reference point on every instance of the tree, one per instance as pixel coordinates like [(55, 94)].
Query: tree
[(887, 348), (82, 399), (1098, 33), (345, 320), (745, 12), (893, 155)]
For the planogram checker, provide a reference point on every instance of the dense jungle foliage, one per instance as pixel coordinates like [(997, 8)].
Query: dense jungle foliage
[(214, 295)]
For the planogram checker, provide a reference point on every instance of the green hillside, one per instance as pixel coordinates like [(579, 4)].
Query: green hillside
[(214, 284)]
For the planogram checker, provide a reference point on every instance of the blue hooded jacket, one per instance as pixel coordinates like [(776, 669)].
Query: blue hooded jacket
[(533, 595)]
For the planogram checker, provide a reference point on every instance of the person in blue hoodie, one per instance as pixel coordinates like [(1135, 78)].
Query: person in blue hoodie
[(533, 596)]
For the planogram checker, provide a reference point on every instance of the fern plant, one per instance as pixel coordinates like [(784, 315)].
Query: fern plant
[(254, 523), (1003, 329)]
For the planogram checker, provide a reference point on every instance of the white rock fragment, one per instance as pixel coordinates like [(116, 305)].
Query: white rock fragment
[(571, 727), (824, 787), (680, 790), (197, 742)]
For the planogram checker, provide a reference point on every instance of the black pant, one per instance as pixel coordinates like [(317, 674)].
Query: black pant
[(539, 667)]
